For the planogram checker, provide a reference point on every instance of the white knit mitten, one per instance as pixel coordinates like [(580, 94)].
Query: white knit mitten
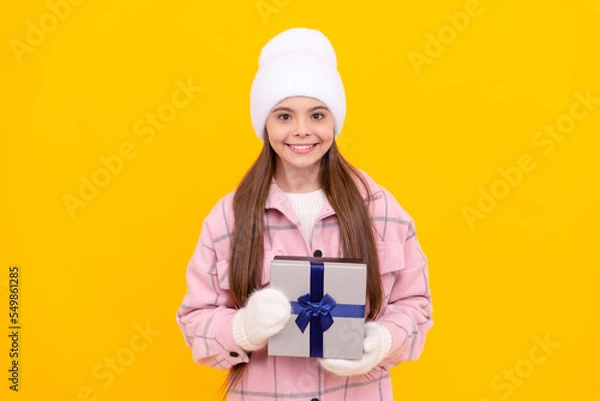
[(376, 346), (264, 315)]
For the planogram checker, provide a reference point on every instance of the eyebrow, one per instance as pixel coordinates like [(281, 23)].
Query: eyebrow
[(283, 108)]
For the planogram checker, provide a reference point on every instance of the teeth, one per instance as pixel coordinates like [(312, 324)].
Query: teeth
[(301, 147)]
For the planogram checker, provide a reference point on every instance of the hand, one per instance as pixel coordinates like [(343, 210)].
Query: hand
[(376, 346), (264, 315)]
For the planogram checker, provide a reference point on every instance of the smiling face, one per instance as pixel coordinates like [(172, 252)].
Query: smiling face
[(300, 131)]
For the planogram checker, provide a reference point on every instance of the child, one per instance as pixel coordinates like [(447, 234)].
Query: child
[(302, 198)]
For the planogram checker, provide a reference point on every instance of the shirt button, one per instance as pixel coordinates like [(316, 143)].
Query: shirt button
[(234, 354), (317, 254)]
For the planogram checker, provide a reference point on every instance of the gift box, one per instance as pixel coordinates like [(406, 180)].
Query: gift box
[(327, 296)]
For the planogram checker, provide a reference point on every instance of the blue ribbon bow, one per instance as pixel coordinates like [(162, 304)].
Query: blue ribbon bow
[(320, 310)]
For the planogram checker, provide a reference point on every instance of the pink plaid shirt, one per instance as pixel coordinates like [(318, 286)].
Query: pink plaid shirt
[(206, 314)]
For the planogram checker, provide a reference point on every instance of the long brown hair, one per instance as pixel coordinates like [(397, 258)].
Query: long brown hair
[(247, 245)]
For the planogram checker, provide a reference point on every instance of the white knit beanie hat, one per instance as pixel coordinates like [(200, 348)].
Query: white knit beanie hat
[(297, 62)]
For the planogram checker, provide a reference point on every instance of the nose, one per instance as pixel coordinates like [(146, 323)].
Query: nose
[(302, 128), (302, 134)]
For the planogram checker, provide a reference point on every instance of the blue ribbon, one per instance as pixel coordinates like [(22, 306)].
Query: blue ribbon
[(319, 310)]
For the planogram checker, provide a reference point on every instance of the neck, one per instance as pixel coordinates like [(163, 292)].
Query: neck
[(298, 181)]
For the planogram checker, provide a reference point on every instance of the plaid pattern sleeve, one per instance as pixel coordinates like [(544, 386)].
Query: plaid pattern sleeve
[(407, 307), (206, 315)]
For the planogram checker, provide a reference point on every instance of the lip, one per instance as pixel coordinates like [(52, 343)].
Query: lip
[(313, 146)]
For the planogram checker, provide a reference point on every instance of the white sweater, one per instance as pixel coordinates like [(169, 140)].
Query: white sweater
[(307, 206)]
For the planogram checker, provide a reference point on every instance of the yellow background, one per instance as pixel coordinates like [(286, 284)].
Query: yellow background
[(434, 135)]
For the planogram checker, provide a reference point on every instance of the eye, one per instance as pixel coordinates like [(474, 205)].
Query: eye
[(284, 117), (318, 116)]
